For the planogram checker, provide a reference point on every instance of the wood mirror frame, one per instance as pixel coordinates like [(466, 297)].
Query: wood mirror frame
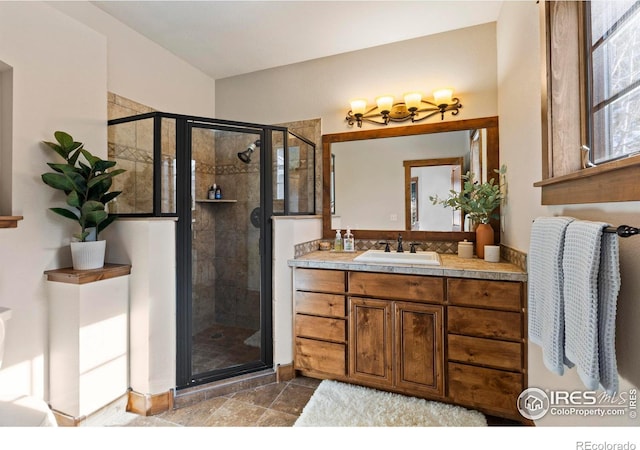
[(492, 163)]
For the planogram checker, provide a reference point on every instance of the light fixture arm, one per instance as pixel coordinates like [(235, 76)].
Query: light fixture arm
[(399, 113)]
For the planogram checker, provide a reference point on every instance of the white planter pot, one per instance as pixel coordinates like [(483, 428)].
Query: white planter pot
[(88, 255)]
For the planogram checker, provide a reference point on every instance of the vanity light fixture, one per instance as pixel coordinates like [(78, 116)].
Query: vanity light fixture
[(387, 110)]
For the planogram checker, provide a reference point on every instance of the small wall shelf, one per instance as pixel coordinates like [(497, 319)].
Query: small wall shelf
[(206, 200), (9, 221), (72, 276)]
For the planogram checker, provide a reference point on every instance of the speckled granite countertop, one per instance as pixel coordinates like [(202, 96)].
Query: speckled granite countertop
[(452, 266)]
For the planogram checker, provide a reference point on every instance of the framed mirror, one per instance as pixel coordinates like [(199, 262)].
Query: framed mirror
[(364, 176)]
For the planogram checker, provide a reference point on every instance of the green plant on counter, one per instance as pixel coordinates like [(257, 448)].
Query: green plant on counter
[(478, 200), (85, 183)]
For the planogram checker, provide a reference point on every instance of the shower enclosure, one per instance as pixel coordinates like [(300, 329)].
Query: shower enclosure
[(223, 242)]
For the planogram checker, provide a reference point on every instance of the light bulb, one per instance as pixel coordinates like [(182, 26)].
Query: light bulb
[(443, 96), (385, 103), (412, 100), (358, 106)]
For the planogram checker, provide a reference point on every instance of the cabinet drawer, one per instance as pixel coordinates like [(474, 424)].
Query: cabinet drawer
[(490, 389), (320, 356), (485, 323), (321, 328), (492, 294), (404, 287), (489, 352), (320, 304), (320, 280)]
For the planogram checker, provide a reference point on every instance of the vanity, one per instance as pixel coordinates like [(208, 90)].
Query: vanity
[(455, 332), (451, 330)]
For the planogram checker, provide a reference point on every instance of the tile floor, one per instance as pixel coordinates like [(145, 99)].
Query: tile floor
[(221, 346), (270, 405)]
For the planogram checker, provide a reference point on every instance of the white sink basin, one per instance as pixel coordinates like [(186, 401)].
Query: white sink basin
[(380, 256)]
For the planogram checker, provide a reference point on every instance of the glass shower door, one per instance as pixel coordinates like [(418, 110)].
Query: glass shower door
[(226, 259)]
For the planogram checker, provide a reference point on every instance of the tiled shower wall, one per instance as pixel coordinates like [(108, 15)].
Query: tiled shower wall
[(226, 260), (131, 145), (301, 180), (236, 260)]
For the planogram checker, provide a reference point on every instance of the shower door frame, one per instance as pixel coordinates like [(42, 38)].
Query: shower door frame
[(185, 378)]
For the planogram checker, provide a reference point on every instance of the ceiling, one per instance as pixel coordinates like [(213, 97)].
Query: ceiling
[(228, 38)]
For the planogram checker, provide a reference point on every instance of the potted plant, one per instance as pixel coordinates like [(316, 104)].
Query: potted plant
[(479, 201), (86, 185)]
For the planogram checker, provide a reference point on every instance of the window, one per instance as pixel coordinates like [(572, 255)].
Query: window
[(612, 40), (590, 97)]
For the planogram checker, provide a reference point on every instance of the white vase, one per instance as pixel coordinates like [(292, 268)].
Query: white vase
[(88, 255)]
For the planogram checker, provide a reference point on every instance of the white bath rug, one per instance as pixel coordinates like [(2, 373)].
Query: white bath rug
[(253, 340), (336, 404)]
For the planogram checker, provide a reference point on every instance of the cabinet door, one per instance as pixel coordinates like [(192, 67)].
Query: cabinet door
[(419, 355), (370, 341)]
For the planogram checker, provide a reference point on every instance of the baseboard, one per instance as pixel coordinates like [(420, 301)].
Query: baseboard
[(149, 404), (285, 372), (65, 420)]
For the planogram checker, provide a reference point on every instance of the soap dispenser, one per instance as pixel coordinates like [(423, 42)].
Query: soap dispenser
[(337, 245), (349, 241)]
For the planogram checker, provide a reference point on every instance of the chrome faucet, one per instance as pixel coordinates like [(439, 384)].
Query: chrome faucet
[(400, 249)]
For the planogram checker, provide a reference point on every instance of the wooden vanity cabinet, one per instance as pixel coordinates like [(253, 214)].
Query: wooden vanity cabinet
[(457, 340), (396, 344), (486, 344), (320, 323), (396, 332)]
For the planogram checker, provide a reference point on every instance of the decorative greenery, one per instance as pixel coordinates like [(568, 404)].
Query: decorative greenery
[(86, 185), (479, 200)]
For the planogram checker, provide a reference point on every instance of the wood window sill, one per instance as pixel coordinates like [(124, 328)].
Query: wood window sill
[(616, 181), (9, 221)]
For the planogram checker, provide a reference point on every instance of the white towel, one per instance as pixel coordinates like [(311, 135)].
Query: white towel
[(591, 285), (545, 293)]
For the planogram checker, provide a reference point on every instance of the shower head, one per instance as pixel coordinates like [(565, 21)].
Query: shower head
[(245, 156)]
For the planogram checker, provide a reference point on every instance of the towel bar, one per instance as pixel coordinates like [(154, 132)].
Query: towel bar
[(623, 230)]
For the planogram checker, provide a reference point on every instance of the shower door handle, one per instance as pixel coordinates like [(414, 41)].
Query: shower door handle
[(193, 230)]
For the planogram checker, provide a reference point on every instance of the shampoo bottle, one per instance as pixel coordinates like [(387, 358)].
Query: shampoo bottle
[(349, 241), (212, 193), (337, 245), (218, 193)]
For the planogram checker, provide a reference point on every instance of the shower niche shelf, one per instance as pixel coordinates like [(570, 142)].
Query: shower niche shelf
[(206, 200)]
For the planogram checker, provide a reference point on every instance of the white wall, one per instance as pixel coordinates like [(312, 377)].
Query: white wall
[(519, 103), (59, 83), (152, 309), (142, 71), (62, 71), (287, 232), (464, 59)]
